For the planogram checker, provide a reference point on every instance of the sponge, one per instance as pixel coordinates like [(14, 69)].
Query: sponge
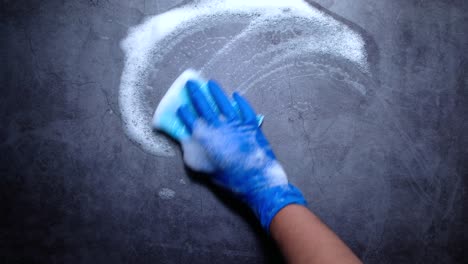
[(165, 117)]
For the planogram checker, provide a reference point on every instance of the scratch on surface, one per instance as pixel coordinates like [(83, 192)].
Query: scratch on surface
[(414, 155), (452, 197), (397, 19), (109, 105), (303, 75)]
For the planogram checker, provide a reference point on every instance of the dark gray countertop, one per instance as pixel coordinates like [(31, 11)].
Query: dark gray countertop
[(386, 169)]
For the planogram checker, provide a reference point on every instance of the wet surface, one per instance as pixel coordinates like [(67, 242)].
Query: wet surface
[(380, 154)]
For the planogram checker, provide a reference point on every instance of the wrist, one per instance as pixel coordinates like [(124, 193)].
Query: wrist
[(268, 202)]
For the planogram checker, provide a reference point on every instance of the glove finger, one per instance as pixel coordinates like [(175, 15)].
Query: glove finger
[(247, 112), (187, 117), (222, 101), (263, 142), (200, 103)]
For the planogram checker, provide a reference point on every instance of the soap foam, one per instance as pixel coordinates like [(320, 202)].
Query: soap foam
[(148, 43), (166, 193)]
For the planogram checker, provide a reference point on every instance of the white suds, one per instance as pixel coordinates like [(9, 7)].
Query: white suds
[(147, 44), (166, 194), (276, 174)]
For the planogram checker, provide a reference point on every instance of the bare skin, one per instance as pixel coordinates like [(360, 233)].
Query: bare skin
[(303, 238)]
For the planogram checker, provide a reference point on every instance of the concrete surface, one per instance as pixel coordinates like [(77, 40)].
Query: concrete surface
[(387, 170)]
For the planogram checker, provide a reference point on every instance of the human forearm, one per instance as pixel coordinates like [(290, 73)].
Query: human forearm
[(303, 238)]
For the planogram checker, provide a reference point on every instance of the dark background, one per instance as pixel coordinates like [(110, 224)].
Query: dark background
[(75, 189)]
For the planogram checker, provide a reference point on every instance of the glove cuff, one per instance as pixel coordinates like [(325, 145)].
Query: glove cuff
[(267, 203)]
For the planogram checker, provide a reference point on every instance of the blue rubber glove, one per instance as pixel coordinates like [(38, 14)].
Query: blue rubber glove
[(241, 158)]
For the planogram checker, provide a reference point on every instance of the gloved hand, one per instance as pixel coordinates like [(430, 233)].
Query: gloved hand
[(239, 155)]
